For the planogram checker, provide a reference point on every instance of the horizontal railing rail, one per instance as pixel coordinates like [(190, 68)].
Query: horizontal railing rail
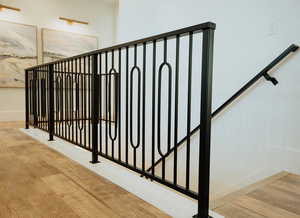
[(263, 73), (124, 102)]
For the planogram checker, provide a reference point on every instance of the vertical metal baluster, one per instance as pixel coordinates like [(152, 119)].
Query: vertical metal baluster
[(69, 100), (58, 121), (42, 75), (106, 104), (116, 114), (176, 109), (153, 106), (139, 107), (89, 98), (45, 103), (65, 92), (76, 98), (34, 98), (42, 102), (188, 125), (66, 101), (100, 101), (169, 102), (42, 121), (72, 99), (41, 93), (45, 75), (56, 99), (144, 106), (38, 97), (30, 95), (119, 102), (57, 75), (81, 75), (84, 102), (61, 100), (110, 105), (126, 112)]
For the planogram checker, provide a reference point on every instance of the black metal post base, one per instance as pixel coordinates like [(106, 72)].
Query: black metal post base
[(197, 216), (146, 177), (94, 162)]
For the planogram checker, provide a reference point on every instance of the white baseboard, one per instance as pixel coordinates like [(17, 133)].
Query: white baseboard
[(12, 116)]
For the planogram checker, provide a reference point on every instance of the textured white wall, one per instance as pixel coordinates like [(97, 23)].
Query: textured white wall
[(257, 135), (101, 15)]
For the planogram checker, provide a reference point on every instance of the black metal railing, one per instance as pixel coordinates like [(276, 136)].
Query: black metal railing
[(264, 73), (131, 102)]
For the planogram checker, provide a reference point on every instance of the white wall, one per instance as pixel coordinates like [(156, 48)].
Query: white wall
[(101, 15), (257, 135)]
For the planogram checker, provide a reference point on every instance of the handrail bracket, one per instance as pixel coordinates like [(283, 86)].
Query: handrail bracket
[(271, 79)]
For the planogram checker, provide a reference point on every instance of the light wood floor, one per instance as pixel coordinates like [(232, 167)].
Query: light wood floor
[(37, 182), (275, 197)]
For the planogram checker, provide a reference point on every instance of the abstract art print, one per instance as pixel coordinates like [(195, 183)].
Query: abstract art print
[(18, 50), (60, 44)]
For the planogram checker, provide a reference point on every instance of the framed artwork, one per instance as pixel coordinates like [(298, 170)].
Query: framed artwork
[(60, 44), (18, 50)]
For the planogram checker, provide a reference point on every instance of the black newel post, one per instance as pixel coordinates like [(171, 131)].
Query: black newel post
[(95, 108), (51, 102), (205, 120)]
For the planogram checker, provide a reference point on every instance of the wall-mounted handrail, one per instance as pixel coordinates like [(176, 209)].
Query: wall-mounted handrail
[(264, 73)]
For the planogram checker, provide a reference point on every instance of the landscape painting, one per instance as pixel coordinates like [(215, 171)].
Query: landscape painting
[(60, 44), (18, 50)]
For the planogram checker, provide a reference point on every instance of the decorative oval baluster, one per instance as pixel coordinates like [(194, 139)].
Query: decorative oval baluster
[(80, 102), (159, 106), (68, 99), (138, 106), (113, 137)]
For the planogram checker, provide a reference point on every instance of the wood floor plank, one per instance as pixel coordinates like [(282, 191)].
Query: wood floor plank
[(287, 186), (263, 208), (278, 197), (233, 211), (38, 182), (292, 178), (274, 197)]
